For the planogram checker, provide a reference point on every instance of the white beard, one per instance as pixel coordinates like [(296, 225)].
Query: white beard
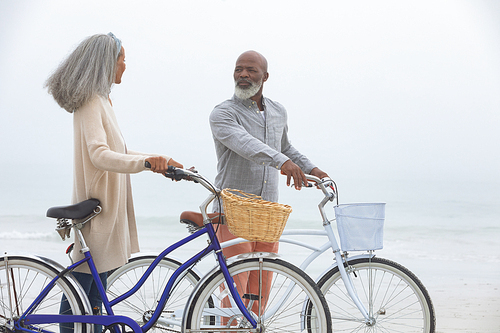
[(246, 93)]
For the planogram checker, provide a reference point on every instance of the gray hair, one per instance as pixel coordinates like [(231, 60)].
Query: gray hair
[(88, 71)]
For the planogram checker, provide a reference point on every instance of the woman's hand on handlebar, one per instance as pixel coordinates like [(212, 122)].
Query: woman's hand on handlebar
[(175, 164), (159, 164)]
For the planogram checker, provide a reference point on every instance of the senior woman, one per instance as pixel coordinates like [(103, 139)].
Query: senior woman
[(102, 163)]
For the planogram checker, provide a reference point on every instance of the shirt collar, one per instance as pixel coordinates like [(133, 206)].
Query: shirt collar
[(248, 102)]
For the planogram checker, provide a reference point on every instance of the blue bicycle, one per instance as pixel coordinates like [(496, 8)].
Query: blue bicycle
[(32, 287)]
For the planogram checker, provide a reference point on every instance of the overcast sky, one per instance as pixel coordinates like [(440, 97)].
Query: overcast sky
[(374, 89)]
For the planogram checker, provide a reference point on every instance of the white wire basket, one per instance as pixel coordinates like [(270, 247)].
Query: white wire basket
[(360, 226)]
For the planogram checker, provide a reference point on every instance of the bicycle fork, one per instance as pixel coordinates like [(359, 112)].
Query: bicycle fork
[(10, 291), (252, 298), (232, 287), (347, 280)]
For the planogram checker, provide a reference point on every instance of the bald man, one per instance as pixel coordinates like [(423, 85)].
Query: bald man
[(250, 133)]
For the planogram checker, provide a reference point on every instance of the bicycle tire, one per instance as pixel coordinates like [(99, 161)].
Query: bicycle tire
[(143, 303), (27, 277), (305, 307), (399, 302)]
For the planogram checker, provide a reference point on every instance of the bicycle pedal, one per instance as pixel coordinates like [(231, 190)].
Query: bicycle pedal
[(96, 311), (122, 328), (251, 297)]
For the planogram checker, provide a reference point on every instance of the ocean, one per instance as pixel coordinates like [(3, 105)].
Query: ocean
[(445, 232)]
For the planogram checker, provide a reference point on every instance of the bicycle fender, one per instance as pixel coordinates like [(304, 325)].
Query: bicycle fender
[(59, 268), (366, 255), (251, 255)]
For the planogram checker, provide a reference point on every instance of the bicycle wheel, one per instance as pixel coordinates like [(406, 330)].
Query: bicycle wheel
[(394, 297), (291, 301), (22, 282), (142, 304)]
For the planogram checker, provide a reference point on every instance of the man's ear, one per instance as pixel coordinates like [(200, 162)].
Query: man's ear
[(266, 76)]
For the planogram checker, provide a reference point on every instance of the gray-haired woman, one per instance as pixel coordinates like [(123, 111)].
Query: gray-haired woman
[(102, 163)]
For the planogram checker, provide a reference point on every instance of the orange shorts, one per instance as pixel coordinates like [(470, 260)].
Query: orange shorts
[(224, 235)]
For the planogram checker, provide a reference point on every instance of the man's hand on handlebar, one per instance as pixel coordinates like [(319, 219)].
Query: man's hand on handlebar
[(318, 173), (292, 170)]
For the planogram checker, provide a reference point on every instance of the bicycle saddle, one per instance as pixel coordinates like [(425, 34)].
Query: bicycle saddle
[(76, 211), (195, 219)]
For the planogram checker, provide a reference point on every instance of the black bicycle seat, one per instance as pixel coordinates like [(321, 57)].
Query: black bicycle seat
[(76, 211)]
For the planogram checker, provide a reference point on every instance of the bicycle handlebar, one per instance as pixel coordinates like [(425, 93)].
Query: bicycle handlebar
[(326, 185), (178, 174)]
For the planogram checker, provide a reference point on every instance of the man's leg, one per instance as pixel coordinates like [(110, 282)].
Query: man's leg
[(241, 280), (267, 277)]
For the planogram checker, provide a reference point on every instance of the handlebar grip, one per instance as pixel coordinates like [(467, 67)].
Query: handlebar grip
[(170, 168), (172, 173)]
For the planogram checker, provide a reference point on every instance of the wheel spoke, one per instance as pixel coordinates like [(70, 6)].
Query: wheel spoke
[(290, 300), (22, 284), (397, 301)]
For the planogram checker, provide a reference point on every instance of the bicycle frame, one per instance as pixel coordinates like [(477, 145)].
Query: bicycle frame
[(112, 319)]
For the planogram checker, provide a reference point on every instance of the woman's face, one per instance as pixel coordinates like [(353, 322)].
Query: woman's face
[(120, 67)]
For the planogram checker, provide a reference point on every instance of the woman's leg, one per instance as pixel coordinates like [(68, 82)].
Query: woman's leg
[(90, 289), (96, 300), (85, 281)]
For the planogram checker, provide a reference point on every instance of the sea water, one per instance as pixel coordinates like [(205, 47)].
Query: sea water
[(446, 233)]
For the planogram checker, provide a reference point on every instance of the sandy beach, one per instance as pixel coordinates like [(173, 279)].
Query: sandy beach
[(465, 293), (467, 302)]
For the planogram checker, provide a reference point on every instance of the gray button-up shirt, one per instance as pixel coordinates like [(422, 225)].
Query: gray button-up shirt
[(251, 148)]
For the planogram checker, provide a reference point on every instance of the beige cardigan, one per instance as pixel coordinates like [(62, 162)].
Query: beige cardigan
[(102, 165)]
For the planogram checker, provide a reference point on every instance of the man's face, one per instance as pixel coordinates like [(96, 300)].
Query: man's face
[(249, 75)]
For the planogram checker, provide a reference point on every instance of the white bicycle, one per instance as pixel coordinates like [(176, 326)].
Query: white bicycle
[(364, 293)]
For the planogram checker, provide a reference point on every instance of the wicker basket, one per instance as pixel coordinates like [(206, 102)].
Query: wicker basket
[(250, 217)]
